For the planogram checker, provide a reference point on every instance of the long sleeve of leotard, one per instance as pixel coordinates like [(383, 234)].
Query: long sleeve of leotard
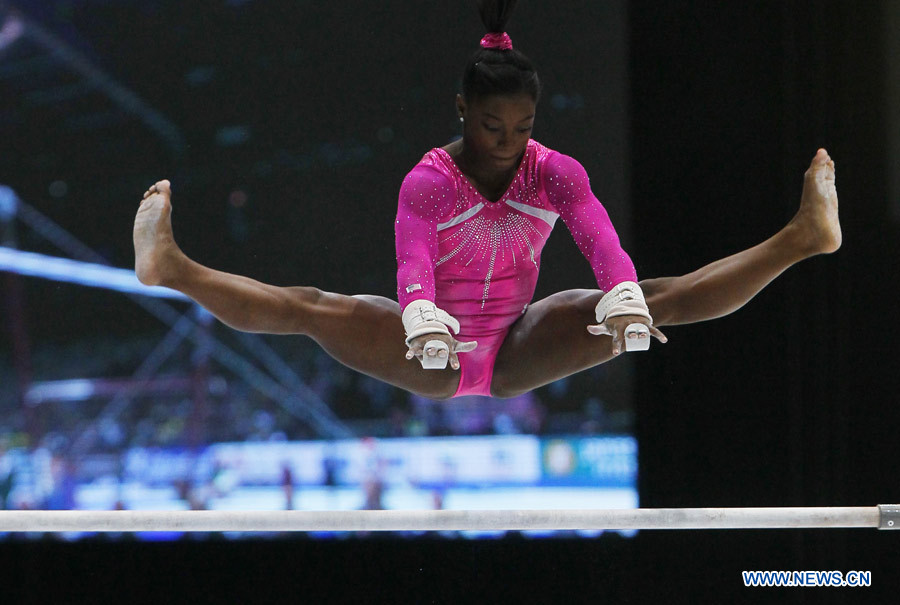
[(425, 196), (568, 189)]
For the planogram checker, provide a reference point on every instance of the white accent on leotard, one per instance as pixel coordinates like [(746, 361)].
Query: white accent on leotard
[(461, 217), (545, 215)]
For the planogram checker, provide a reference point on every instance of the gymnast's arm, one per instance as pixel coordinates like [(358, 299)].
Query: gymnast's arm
[(568, 189), (415, 233), (425, 196)]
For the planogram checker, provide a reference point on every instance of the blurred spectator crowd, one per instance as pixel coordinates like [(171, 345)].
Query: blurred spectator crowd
[(48, 439)]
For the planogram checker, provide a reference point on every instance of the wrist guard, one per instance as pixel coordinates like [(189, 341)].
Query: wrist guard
[(422, 317), (625, 298)]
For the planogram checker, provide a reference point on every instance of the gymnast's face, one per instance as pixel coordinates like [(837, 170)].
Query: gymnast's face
[(496, 128)]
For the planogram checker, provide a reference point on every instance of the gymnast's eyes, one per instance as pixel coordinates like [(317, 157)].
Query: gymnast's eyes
[(497, 129)]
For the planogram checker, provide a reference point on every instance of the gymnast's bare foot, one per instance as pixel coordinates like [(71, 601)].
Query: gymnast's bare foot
[(156, 255), (816, 222)]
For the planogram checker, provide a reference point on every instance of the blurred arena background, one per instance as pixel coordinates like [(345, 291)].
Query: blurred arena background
[(286, 151)]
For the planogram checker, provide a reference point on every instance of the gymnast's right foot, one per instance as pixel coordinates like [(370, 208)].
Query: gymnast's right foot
[(156, 255)]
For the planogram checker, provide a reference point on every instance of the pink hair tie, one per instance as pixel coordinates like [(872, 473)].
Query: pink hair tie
[(500, 41)]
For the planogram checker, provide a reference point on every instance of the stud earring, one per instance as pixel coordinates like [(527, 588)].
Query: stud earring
[(462, 119)]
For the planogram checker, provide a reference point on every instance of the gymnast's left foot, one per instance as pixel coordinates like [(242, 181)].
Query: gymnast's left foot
[(816, 223)]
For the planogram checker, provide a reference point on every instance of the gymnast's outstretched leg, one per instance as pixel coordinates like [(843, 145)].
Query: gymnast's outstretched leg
[(550, 340), (362, 332)]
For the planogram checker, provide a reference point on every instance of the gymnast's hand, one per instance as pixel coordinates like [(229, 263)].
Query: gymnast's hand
[(417, 348), (615, 327)]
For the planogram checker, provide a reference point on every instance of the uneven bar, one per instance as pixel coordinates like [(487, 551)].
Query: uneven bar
[(882, 516)]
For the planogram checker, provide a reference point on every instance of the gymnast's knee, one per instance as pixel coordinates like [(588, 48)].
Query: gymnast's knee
[(663, 296), (580, 301)]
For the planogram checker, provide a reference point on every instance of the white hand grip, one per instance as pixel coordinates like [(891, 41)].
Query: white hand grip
[(637, 337), (435, 362)]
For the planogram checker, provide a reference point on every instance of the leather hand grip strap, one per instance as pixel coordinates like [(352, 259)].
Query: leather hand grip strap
[(625, 298), (423, 317)]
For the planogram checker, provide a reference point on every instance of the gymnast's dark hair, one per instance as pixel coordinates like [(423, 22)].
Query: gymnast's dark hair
[(492, 71)]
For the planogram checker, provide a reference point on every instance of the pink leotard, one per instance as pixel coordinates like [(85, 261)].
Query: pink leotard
[(478, 259)]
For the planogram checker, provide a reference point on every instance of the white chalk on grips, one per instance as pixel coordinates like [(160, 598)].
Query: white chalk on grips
[(637, 337), (436, 362)]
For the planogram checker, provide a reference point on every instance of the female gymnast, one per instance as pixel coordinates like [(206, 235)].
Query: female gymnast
[(473, 217)]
